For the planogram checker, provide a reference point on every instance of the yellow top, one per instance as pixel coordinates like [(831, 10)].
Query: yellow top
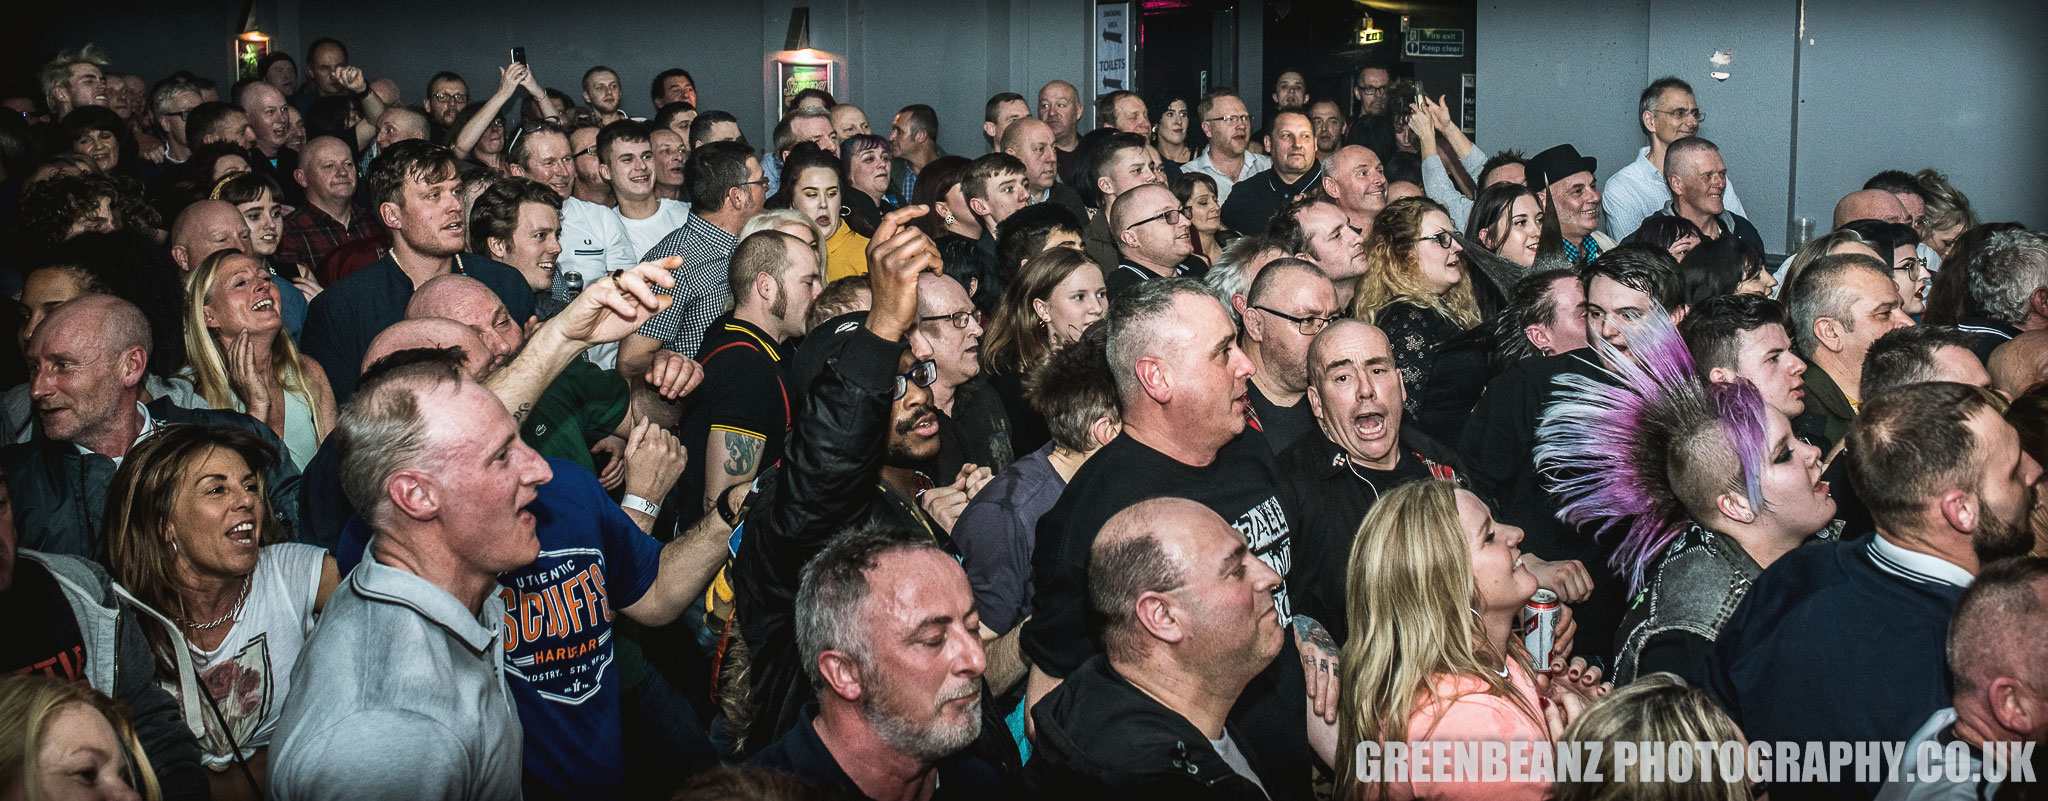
[(846, 253)]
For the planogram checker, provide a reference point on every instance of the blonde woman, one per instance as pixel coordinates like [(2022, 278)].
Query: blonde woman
[(1657, 708), (1433, 654), (241, 358), (63, 740), (190, 533), (1418, 291)]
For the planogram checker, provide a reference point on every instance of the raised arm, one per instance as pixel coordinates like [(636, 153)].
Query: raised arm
[(607, 311), (510, 77)]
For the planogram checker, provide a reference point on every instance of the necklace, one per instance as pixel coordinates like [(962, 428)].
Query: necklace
[(244, 596)]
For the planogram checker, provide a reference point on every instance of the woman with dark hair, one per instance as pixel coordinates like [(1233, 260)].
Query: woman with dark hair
[(956, 230), (1055, 297), (1418, 289), (58, 209), (1197, 192), (194, 180), (1899, 245), (190, 533), (1726, 266), (812, 186), (339, 118), (1172, 133), (255, 196), (864, 160), (1671, 234), (1508, 219), (101, 135), (488, 146)]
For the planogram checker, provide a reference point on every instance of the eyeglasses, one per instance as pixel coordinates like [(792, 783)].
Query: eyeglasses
[(1907, 265), (755, 182), (1443, 239), (923, 373), (1234, 119), (1374, 90), (1308, 326), (1694, 113), (959, 319), (588, 151), (450, 97), (1171, 216)]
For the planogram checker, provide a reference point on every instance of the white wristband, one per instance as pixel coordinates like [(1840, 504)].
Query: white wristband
[(635, 503)]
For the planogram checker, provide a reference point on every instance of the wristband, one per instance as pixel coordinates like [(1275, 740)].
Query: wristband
[(636, 503)]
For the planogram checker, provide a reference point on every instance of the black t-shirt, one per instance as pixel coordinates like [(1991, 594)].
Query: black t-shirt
[(745, 391), (1329, 498), (1282, 425), (43, 637), (1241, 485), (976, 433)]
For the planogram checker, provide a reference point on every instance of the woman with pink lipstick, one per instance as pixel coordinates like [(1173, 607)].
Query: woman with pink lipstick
[(191, 535), (1899, 246), (241, 359), (811, 186), (1418, 291)]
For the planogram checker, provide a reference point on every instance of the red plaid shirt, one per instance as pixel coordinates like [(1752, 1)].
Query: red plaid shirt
[(310, 234)]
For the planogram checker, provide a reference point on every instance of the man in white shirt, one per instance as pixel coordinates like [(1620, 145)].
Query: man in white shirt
[(1669, 113), (626, 152), (1229, 128)]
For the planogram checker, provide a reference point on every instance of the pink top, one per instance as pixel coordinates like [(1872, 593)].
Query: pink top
[(1469, 716)]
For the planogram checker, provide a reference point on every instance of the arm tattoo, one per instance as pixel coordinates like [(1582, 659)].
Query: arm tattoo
[(1313, 634), (519, 414), (742, 454)]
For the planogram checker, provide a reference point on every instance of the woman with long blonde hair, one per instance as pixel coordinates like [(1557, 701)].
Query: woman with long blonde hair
[(241, 359), (1433, 654), (98, 754), (1418, 290), (1657, 708)]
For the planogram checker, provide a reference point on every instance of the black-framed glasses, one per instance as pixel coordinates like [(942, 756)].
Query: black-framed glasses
[(1443, 239), (1908, 265), (922, 373), (588, 151), (451, 97), (1171, 216), (755, 182), (1308, 326), (1373, 90), (959, 319), (1695, 114)]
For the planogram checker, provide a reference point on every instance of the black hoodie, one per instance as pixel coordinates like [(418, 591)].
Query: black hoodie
[(1100, 737)]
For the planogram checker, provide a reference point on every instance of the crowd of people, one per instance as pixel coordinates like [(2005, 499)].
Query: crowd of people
[(524, 447)]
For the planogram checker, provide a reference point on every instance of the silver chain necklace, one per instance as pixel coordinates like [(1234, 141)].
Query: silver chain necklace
[(239, 599)]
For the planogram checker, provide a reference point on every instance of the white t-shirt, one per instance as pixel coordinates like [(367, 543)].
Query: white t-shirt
[(645, 234), (250, 672), (1227, 748)]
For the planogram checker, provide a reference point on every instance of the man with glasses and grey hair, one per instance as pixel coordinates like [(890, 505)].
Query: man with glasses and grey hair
[(1152, 237), (1669, 113), (1288, 304)]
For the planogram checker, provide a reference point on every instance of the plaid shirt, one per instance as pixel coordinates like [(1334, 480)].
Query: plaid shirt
[(700, 292), (310, 234)]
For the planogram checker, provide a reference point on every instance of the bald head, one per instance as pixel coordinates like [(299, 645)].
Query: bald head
[(1146, 200), (1142, 549), (320, 147), (104, 319), (399, 124), (1869, 204), (2020, 363), (432, 333), (205, 228), (1020, 131), (467, 301), (1996, 633)]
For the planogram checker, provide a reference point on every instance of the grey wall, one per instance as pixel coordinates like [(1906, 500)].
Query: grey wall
[(1872, 85), (951, 55)]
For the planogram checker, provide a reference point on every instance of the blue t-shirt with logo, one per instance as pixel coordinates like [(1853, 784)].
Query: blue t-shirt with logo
[(558, 622)]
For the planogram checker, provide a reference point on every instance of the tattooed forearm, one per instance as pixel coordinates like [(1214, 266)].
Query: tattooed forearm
[(742, 454)]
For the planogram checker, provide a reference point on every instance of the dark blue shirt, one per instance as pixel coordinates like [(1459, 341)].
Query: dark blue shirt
[(558, 622), (801, 754), (342, 320)]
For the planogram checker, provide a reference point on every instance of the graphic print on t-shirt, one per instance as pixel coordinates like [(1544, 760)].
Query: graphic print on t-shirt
[(558, 624), (1265, 529), (241, 687)]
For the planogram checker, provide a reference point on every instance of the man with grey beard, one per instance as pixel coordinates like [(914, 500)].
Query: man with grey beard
[(888, 631)]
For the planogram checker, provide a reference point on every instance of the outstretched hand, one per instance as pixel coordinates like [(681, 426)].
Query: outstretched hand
[(613, 307)]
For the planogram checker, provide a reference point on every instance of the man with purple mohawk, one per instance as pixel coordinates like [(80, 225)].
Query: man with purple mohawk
[(1498, 447), (1704, 481)]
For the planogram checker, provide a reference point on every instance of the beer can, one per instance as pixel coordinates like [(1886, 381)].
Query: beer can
[(1539, 620), (574, 281)]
